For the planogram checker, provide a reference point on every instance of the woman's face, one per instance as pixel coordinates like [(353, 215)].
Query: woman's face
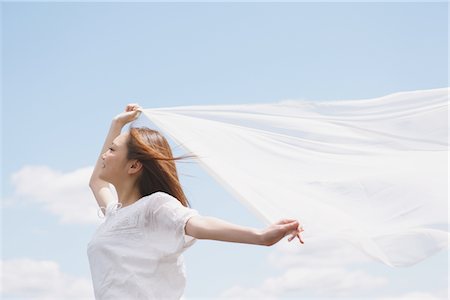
[(114, 167)]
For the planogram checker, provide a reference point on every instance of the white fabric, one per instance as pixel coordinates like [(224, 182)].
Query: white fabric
[(372, 172), (136, 252)]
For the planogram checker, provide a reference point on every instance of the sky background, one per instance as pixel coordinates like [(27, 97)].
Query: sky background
[(69, 68)]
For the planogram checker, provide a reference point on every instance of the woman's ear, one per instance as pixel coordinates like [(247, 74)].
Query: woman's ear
[(135, 167)]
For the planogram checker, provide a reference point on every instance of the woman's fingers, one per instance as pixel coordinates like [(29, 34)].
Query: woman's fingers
[(296, 233), (291, 227), (290, 222), (292, 235), (132, 107), (287, 221), (298, 236)]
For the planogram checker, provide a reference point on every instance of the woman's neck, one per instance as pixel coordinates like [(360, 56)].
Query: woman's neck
[(128, 194)]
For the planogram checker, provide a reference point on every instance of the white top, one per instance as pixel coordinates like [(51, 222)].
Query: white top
[(136, 253)]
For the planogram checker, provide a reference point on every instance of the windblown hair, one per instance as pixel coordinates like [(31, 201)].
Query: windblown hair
[(159, 170)]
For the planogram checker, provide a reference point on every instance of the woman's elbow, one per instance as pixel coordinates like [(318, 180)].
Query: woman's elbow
[(93, 183)]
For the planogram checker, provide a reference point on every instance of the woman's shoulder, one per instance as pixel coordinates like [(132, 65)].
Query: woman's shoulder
[(159, 198), (162, 196)]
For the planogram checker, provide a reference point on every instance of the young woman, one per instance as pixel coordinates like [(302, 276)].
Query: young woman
[(136, 252)]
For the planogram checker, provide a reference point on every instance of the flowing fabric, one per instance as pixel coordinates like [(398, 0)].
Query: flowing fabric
[(372, 172)]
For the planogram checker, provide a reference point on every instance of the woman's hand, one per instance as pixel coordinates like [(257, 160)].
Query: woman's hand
[(131, 113), (275, 232)]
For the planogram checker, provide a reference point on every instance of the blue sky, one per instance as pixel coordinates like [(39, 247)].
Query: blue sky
[(68, 68)]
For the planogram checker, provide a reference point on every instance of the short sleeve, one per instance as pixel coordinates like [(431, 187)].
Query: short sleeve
[(168, 216), (111, 208)]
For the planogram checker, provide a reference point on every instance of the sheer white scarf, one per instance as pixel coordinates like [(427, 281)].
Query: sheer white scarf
[(372, 172)]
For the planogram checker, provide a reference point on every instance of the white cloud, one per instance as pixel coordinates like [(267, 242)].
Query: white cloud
[(323, 269), (42, 280), (317, 252), (319, 268), (439, 295), (318, 282), (66, 195)]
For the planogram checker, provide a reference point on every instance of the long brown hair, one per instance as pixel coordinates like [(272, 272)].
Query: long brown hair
[(159, 170)]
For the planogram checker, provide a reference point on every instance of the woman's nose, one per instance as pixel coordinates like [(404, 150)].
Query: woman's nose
[(103, 156)]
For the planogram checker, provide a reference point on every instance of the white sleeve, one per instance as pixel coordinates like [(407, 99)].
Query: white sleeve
[(111, 208), (168, 216)]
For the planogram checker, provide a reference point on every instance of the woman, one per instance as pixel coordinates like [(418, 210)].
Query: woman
[(136, 252)]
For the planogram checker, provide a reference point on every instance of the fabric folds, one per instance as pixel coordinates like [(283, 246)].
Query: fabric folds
[(372, 172)]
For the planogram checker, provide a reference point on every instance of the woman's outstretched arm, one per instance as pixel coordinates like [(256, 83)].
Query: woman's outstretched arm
[(202, 227), (99, 187)]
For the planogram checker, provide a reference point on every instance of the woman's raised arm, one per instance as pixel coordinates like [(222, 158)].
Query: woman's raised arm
[(99, 187)]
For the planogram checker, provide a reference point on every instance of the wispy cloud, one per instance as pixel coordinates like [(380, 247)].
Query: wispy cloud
[(41, 280), (65, 195), (312, 270), (438, 295), (316, 252), (323, 269), (307, 281)]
